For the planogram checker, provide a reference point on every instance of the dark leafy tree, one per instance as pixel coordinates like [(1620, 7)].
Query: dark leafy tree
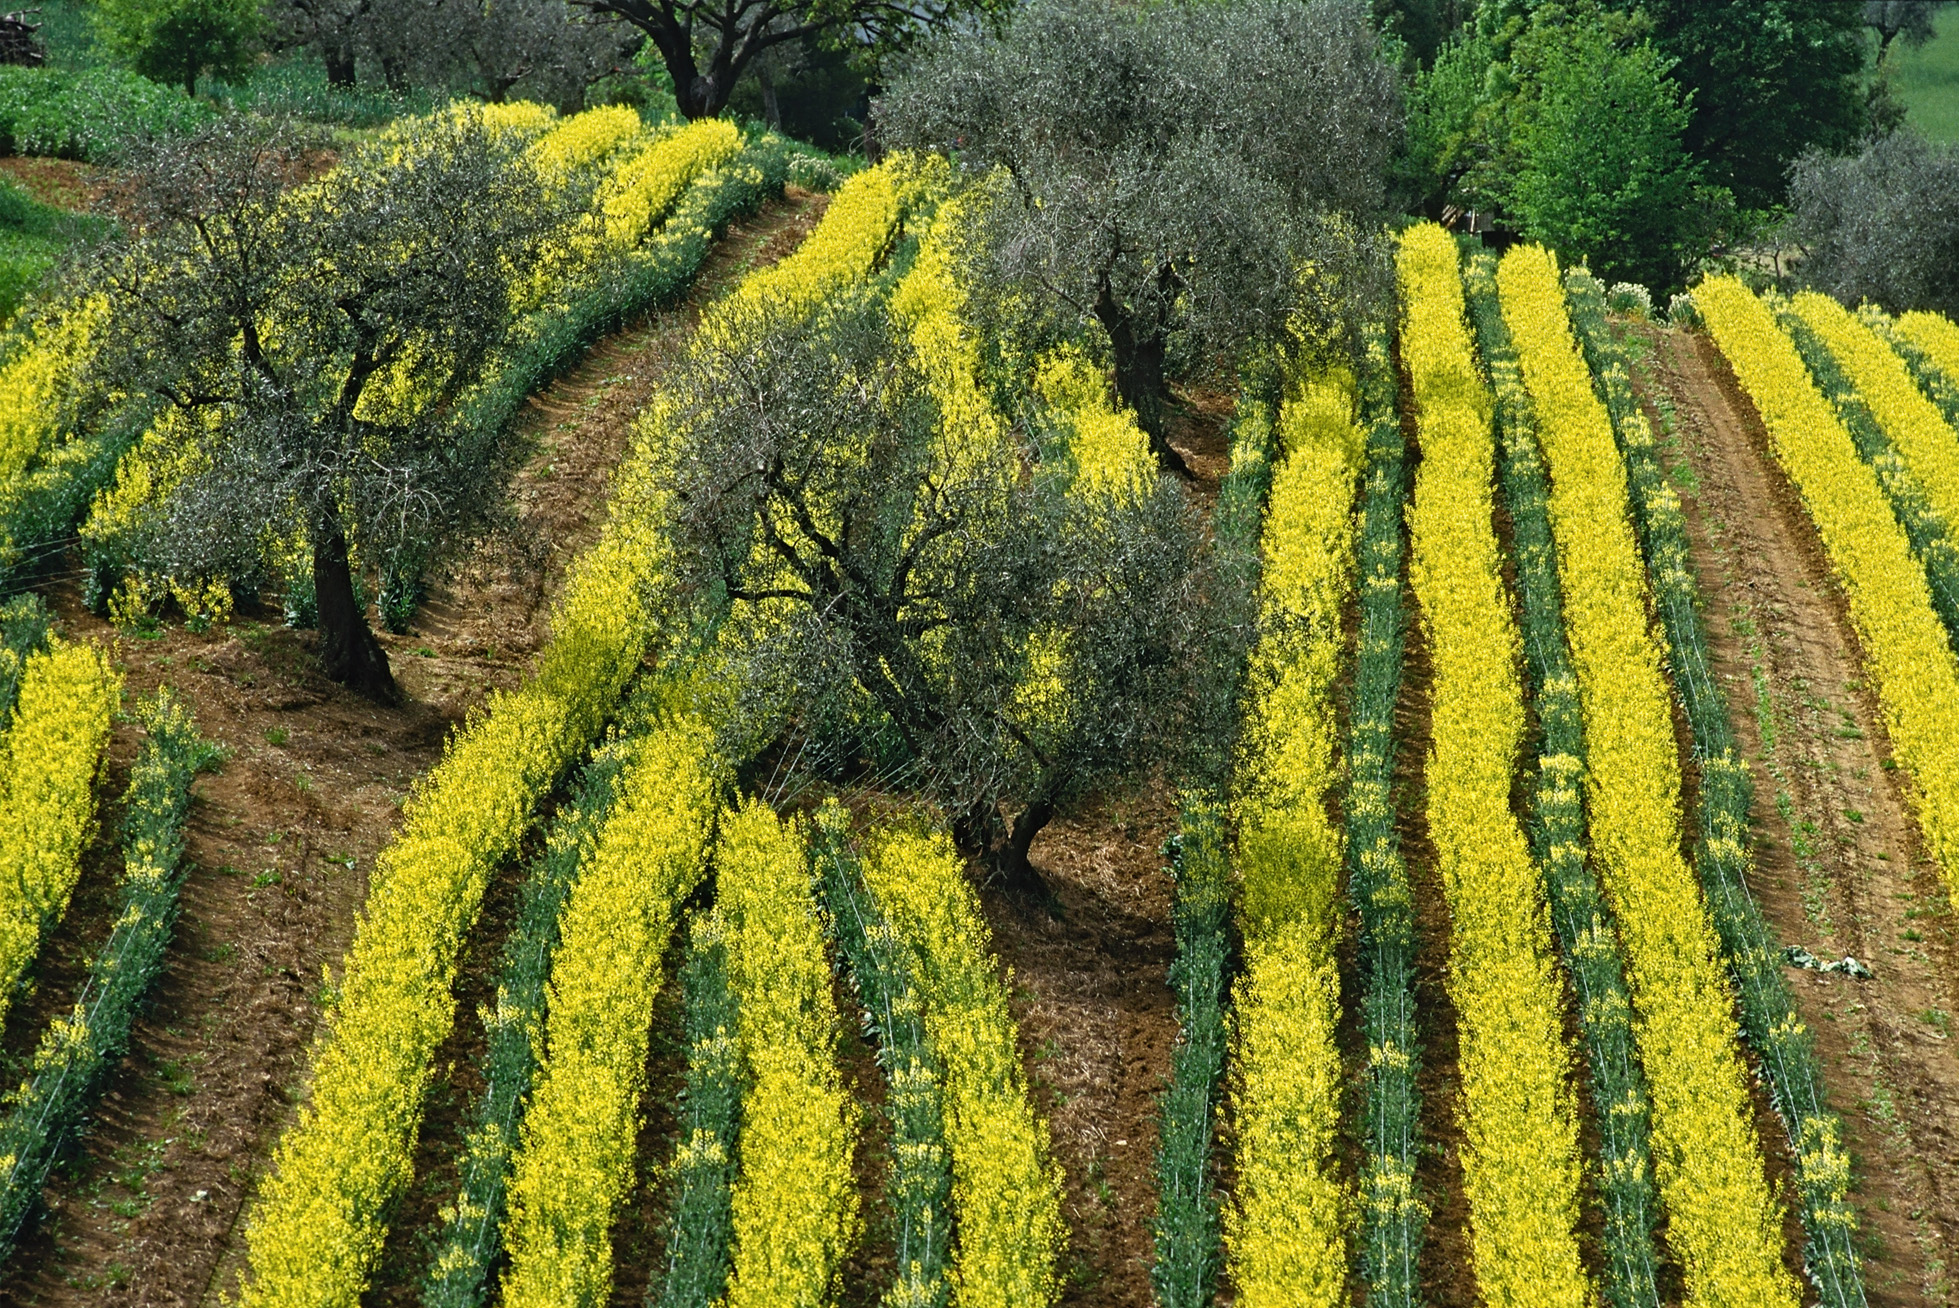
[(178, 41), (708, 44), (1451, 106), (309, 347), (810, 90), (1767, 79), (1171, 167), (1892, 20), (938, 602), (1880, 225), (331, 28), (1424, 25)]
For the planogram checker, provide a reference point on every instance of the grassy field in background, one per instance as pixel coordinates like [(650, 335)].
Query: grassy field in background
[(1928, 79)]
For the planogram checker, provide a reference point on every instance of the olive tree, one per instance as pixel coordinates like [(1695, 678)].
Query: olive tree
[(912, 596), (541, 49), (1892, 19), (1880, 225), (708, 44), (1174, 167), (309, 347)]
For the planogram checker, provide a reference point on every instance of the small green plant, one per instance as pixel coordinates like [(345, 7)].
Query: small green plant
[(276, 735)]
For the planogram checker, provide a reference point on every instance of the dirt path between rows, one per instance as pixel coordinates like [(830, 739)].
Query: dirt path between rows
[(281, 841), (1840, 868)]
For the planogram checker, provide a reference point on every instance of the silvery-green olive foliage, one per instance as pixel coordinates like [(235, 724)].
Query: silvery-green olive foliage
[(1881, 225), (1173, 168), (887, 590), (543, 50), (1910, 20), (320, 341)]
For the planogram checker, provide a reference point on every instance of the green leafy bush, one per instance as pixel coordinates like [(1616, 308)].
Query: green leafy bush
[(91, 115), (176, 40)]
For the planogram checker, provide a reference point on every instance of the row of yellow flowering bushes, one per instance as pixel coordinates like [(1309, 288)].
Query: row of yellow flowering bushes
[(1587, 932), (1285, 1234), (76, 1051), (1006, 1192), (1884, 384), (1723, 1225), (321, 1217), (1722, 855), (1904, 644), (1937, 337), (795, 1200), (48, 765), (1520, 1151), (575, 1164), (858, 229)]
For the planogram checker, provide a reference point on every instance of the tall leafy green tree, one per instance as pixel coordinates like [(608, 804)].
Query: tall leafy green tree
[(178, 41), (1597, 164), (1768, 79)]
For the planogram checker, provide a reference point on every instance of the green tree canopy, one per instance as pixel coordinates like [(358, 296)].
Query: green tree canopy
[(1598, 168), (1768, 79), (177, 41)]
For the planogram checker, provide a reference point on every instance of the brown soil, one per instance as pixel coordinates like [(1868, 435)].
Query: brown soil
[(1090, 991), (281, 841), (62, 183), (1445, 1277), (1840, 867)]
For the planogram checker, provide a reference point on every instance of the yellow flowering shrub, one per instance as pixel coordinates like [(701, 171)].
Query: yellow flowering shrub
[(1937, 336), (1111, 454), (1885, 385), (575, 1163), (857, 229), (1285, 1237), (583, 140), (643, 188), (1520, 1149), (52, 752), (1723, 1225), (1289, 853), (1285, 1231), (1904, 644), (795, 1200), (1006, 1192), (38, 381)]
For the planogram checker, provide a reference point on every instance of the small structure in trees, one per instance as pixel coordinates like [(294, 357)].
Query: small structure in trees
[(306, 348), (1173, 168), (20, 43)]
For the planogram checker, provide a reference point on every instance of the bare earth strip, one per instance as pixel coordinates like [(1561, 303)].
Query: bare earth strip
[(149, 1212), (1840, 867)]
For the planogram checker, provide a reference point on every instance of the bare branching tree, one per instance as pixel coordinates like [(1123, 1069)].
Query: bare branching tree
[(309, 345), (921, 598), (708, 44), (1174, 167)]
